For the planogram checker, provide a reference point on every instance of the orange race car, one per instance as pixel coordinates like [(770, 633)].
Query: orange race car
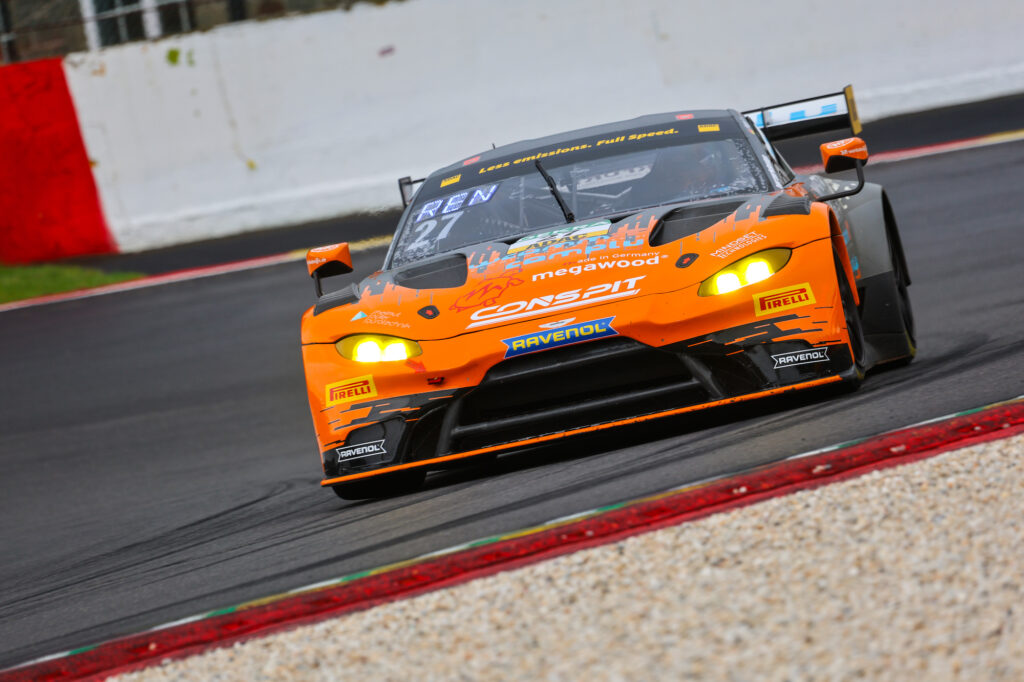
[(602, 277)]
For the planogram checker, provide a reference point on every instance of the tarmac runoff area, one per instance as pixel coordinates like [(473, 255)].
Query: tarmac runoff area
[(915, 571)]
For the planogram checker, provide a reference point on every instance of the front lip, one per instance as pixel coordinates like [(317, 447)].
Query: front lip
[(575, 432)]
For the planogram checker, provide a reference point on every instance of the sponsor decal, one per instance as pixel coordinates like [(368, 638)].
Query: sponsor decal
[(614, 177), (777, 300), (558, 323), (429, 312), (737, 244), (486, 292), (636, 137), (544, 239), (543, 305), (450, 204), (452, 180), (469, 162), (684, 117), (324, 249), (384, 318), (600, 265), (350, 390), (577, 333), (801, 357), (374, 447), (534, 157), (707, 127), (587, 248), (632, 137)]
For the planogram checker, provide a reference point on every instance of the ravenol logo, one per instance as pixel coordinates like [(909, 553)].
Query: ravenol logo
[(777, 300), (566, 336), (352, 389), (801, 357)]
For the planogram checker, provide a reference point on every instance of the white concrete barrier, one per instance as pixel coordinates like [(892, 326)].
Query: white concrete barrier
[(262, 124)]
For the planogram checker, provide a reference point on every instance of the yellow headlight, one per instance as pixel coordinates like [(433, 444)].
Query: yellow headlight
[(744, 272), (757, 270), (395, 350), (377, 348), (726, 282), (367, 351)]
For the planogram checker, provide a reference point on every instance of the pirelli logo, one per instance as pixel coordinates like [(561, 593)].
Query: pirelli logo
[(452, 180), (777, 300), (350, 390)]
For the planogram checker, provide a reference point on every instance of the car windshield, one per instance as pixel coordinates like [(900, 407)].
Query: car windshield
[(593, 179)]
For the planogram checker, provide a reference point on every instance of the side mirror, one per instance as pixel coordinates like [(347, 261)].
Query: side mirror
[(328, 261), (841, 155)]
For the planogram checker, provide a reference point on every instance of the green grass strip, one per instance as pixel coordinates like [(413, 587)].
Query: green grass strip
[(18, 282)]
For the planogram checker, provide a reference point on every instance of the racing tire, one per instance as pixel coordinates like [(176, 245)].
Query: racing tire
[(854, 328), (905, 312), (384, 485)]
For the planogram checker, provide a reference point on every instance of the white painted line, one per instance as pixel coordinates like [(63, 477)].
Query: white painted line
[(185, 275)]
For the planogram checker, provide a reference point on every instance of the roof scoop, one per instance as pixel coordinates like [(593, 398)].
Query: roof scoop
[(449, 272), (689, 220)]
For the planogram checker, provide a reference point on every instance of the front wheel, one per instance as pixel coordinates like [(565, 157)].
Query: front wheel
[(384, 485), (908, 348), (854, 326)]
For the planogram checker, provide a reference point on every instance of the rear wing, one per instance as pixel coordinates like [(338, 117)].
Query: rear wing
[(405, 186), (836, 111)]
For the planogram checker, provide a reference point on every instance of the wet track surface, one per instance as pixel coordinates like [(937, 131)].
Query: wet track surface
[(158, 460)]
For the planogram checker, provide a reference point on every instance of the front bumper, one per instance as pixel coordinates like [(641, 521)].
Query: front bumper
[(657, 366)]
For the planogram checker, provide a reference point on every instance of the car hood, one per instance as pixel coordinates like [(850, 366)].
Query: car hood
[(567, 268)]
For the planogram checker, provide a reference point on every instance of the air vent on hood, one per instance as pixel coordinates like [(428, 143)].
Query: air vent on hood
[(333, 299), (787, 204), (449, 272), (689, 220)]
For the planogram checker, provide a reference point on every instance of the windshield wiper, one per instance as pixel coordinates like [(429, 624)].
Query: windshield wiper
[(569, 217)]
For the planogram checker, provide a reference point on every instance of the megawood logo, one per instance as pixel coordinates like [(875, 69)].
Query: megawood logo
[(566, 336), (801, 357)]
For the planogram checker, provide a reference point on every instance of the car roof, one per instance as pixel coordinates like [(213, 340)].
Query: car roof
[(606, 129)]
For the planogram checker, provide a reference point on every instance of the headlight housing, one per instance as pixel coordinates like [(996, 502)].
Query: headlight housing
[(744, 272), (377, 348)]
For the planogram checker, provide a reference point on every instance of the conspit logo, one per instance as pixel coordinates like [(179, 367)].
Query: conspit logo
[(777, 300), (543, 305), (351, 389)]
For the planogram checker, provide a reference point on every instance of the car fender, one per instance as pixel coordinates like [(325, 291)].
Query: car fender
[(862, 221)]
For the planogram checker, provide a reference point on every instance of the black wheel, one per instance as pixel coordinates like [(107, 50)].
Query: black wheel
[(906, 313), (854, 326), (385, 485)]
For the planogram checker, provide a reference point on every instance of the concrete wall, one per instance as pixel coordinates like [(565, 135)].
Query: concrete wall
[(262, 124)]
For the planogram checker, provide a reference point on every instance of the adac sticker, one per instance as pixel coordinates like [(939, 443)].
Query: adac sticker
[(777, 300), (350, 390), (576, 333)]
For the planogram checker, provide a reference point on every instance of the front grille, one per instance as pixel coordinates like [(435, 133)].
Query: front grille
[(567, 388)]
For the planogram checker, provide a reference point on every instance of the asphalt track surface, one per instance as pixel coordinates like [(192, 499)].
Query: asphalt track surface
[(158, 460)]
